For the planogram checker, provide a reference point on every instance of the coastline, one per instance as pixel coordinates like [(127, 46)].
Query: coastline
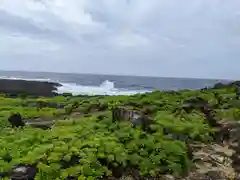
[(14, 87), (23, 87), (185, 125)]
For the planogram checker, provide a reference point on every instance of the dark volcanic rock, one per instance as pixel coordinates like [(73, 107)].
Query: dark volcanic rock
[(234, 84), (16, 120), (15, 88), (23, 173)]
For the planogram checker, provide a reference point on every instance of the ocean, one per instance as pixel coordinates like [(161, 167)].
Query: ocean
[(93, 84)]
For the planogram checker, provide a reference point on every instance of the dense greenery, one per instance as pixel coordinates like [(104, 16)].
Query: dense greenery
[(84, 146)]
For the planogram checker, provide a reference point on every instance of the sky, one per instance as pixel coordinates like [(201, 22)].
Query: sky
[(173, 38)]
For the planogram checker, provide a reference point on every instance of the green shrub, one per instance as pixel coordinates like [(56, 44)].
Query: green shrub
[(90, 149), (95, 148), (229, 114), (103, 106), (150, 110), (191, 127), (69, 109)]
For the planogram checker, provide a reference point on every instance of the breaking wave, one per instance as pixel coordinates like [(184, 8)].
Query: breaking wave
[(106, 88)]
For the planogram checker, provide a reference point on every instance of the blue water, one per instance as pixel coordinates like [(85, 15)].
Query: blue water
[(111, 84)]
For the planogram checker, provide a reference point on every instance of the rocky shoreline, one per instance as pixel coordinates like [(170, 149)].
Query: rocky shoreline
[(13, 88), (177, 135)]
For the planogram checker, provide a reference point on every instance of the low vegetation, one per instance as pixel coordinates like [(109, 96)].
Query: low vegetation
[(81, 145)]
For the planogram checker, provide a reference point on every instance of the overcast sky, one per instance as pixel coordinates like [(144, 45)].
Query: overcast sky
[(177, 38)]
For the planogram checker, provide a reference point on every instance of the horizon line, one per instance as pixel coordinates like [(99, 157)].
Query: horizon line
[(103, 74)]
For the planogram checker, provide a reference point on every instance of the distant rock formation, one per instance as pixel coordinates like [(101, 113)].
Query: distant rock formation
[(15, 88)]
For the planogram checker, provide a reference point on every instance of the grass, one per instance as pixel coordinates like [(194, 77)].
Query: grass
[(89, 148)]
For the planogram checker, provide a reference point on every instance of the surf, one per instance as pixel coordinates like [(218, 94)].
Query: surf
[(105, 88)]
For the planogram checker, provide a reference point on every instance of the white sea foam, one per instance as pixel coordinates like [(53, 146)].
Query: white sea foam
[(106, 88)]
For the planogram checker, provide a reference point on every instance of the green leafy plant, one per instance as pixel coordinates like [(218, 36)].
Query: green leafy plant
[(97, 148)]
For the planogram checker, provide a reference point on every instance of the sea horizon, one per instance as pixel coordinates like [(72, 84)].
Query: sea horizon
[(102, 84), (105, 74)]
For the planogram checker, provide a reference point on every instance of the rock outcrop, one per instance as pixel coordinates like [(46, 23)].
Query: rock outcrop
[(219, 160), (14, 88), (135, 117), (231, 137), (213, 158), (41, 123)]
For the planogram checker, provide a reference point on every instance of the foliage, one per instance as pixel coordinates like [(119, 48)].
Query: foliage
[(90, 148), (95, 148), (229, 114)]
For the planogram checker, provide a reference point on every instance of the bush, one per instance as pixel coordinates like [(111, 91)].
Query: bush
[(103, 106), (90, 149), (93, 147), (229, 114), (69, 108), (191, 127), (150, 110)]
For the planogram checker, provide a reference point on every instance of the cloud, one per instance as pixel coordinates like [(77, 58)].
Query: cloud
[(199, 38)]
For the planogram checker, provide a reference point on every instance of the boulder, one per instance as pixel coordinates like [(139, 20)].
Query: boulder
[(16, 120), (135, 117), (23, 172)]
